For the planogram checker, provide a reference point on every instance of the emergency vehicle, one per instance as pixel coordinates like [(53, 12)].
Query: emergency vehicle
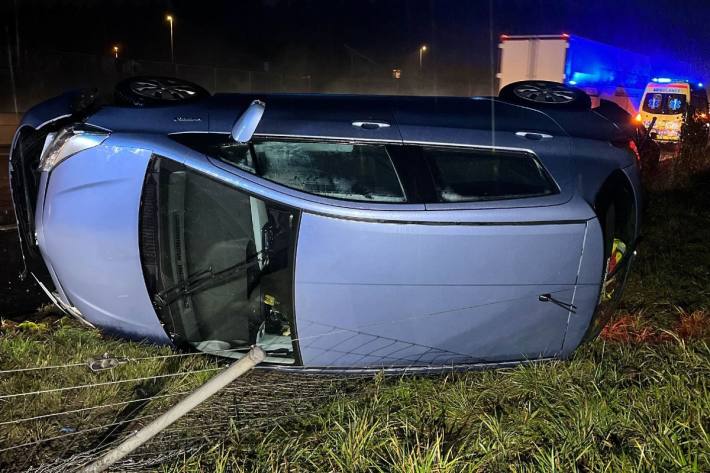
[(671, 102)]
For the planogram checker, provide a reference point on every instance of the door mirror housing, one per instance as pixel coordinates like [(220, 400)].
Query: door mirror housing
[(247, 122)]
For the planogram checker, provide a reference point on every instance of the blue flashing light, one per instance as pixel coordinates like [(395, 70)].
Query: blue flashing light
[(662, 80), (700, 84), (574, 82)]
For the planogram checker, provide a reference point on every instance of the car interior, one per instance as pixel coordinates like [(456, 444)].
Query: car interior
[(226, 267)]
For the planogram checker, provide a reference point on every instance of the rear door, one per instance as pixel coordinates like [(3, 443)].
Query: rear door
[(433, 293), (490, 276), (484, 280)]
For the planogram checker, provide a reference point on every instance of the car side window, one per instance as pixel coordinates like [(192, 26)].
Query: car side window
[(463, 175), (349, 171), (340, 170), (361, 172), (237, 154)]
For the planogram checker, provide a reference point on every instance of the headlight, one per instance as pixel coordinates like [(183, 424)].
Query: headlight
[(66, 142)]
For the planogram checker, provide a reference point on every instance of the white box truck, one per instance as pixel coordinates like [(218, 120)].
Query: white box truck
[(603, 71)]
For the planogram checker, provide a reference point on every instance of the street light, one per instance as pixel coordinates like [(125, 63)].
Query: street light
[(422, 49), (169, 19), (115, 51)]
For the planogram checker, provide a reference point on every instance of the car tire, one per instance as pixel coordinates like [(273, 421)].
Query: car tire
[(546, 94), (155, 91)]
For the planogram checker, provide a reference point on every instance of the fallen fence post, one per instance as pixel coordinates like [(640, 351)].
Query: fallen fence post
[(255, 356)]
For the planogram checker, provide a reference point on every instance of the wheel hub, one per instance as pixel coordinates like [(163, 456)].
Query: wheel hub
[(163, 90), (545, 93)]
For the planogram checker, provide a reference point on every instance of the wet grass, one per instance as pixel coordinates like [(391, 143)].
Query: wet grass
[(637, 399), (670, 282), (47, 340), (614, 407)]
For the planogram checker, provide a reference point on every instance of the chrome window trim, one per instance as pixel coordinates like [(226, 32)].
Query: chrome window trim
[(341, 139), (443, 144)]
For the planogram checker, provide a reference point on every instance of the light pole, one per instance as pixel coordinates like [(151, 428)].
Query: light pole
[(169, 19), (422, 49), (115, 52)]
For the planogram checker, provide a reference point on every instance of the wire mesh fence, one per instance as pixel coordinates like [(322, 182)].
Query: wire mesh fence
[(67, 439)]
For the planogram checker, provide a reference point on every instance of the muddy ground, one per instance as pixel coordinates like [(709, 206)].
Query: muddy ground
[(17, 297)]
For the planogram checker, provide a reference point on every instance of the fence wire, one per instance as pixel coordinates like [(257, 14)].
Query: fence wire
[(259, 401)]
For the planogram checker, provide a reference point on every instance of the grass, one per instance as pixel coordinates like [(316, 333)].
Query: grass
[(669, 287), (614, 407), (637, 399), (49, 341)]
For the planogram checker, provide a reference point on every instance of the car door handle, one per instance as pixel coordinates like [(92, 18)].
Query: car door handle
[(532, 135), (565, 305), (371, 125)]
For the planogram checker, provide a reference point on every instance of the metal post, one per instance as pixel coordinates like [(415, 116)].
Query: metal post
[(17, 34), (194, 399), (12, 71)]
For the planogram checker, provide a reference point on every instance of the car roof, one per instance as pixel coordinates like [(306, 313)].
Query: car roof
[(333, 115), (456, 120)]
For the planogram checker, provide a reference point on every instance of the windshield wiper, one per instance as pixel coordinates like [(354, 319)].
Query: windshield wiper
[(203, 280)]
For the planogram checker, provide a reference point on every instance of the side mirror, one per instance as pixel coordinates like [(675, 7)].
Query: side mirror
[(247, 122)]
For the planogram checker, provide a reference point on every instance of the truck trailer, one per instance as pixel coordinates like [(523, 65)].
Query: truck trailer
[(603, 71)]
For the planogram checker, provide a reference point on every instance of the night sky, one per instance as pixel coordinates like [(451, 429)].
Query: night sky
[(309, 35)]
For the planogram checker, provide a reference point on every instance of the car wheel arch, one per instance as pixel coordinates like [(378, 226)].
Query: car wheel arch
[(616, 190)]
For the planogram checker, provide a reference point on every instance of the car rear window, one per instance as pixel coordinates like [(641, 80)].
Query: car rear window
[(361, 172), (462, 175)]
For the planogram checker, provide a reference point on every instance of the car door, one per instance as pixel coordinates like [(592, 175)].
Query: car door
[(483, 279)]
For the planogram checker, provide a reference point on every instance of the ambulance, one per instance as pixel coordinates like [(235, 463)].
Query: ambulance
[(670, 103)]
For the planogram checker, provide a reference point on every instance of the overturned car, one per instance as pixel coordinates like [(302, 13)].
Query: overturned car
[(334, 231)]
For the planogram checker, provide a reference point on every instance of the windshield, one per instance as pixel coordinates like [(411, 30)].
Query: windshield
[(664, 104), (225, 262)]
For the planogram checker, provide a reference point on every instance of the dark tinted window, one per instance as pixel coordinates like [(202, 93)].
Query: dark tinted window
[(664, 104), (468, 175)]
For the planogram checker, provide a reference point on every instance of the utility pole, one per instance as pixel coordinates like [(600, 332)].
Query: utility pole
[(17, 31), (12, 71)]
